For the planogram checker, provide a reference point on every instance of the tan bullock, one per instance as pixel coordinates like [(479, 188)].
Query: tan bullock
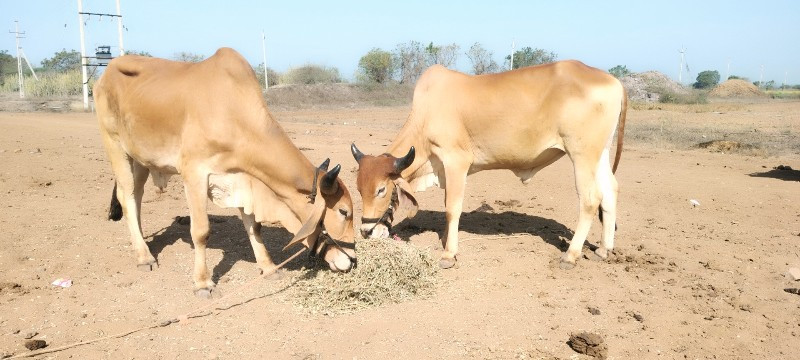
[(208, 122), (520, 120)]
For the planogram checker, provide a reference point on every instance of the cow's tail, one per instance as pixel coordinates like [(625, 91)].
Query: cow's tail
[(620, 129), (115, 210), (620, 136)]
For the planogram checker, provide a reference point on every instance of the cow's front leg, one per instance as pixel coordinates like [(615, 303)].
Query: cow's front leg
[(455, 183), (196, 188), (253, 229)]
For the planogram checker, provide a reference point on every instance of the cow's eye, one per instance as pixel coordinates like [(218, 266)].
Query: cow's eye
[(343, 212), (381, 192)]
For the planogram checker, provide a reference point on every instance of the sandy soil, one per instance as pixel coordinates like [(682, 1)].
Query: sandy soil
[(687, 282)]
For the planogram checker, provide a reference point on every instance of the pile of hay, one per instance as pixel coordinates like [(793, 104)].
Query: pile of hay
[(389, 271), (736, 88)]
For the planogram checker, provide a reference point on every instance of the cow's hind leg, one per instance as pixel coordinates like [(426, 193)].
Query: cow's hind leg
[(589, 198), (253, 229), (195, 184), (130, 179), (610, 190)]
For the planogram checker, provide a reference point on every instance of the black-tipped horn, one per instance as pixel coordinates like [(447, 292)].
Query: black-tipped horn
[(329, 184), (357, 154), (325, 164), (402, 163)]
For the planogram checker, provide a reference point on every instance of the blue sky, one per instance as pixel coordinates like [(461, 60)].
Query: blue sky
[(643, 35)]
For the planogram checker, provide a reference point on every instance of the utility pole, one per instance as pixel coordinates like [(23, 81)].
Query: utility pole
[(761, 78), (119, 29), (785, 75), (680, 69), (728, 74), (264, 52), (85, 59), (512, 54), (17, 34)]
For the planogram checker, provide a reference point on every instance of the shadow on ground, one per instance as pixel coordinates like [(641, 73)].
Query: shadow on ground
[(228, 235), (780, 172), (489, 224)]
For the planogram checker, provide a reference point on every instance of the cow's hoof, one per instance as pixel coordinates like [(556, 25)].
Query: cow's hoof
[(566, 265), (275, 275), (206, 293), (599, 254), (147, 267), (447, 263)]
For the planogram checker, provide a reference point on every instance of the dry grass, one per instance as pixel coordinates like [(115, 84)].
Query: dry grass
[(49, 84), (388, 271), (763, 132)]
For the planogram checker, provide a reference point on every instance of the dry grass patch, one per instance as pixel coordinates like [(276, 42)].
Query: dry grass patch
[(388, 271)]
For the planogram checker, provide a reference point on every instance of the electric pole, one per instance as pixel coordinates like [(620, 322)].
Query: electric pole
[(680, 69), (512, 55), (264, 52), (85, 59), (761, 78), (119, 29), (17, 34)]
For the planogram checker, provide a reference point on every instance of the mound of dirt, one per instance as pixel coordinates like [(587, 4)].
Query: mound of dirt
[(736, 88), (337, 95), (724, 145), (649, 86)]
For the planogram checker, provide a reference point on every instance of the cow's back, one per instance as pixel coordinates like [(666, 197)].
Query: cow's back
[(508, 119), (152, 106)]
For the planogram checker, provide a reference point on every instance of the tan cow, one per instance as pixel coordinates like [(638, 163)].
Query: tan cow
[(520, 120), (208, 122)]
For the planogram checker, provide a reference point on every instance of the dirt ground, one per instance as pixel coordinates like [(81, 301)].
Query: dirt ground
[(688, 281)]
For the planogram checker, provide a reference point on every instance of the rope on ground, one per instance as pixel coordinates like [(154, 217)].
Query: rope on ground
[(191, 314)]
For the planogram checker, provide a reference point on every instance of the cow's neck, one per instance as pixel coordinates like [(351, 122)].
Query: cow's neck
[(411, 135), (279, 164)]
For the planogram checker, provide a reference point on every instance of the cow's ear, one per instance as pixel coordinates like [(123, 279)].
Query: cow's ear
[(310, 226), (406, 197)]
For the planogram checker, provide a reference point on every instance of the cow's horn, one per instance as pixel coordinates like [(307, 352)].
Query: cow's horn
[(329, 184), (402, 163), (357, 154), (325, 164)]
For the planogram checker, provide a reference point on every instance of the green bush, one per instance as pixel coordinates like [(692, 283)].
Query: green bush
[(377, 66), (693, 97), (311, 74)]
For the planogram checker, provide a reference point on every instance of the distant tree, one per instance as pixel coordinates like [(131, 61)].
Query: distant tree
[(410, 61), (707, 79), (528, 56), (481, 59), (273, 75), (377, 66), (8, 64), (311, 74), (734, 77), (445, 55), (188, 57), (63, 61), (619, 71), (137, 52), (769, 85)]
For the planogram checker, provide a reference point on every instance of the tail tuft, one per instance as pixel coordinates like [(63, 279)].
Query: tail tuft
[(115, 210)]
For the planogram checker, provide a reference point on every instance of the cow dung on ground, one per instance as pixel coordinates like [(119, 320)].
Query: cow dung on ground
[(589, 344), (388, 271)]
